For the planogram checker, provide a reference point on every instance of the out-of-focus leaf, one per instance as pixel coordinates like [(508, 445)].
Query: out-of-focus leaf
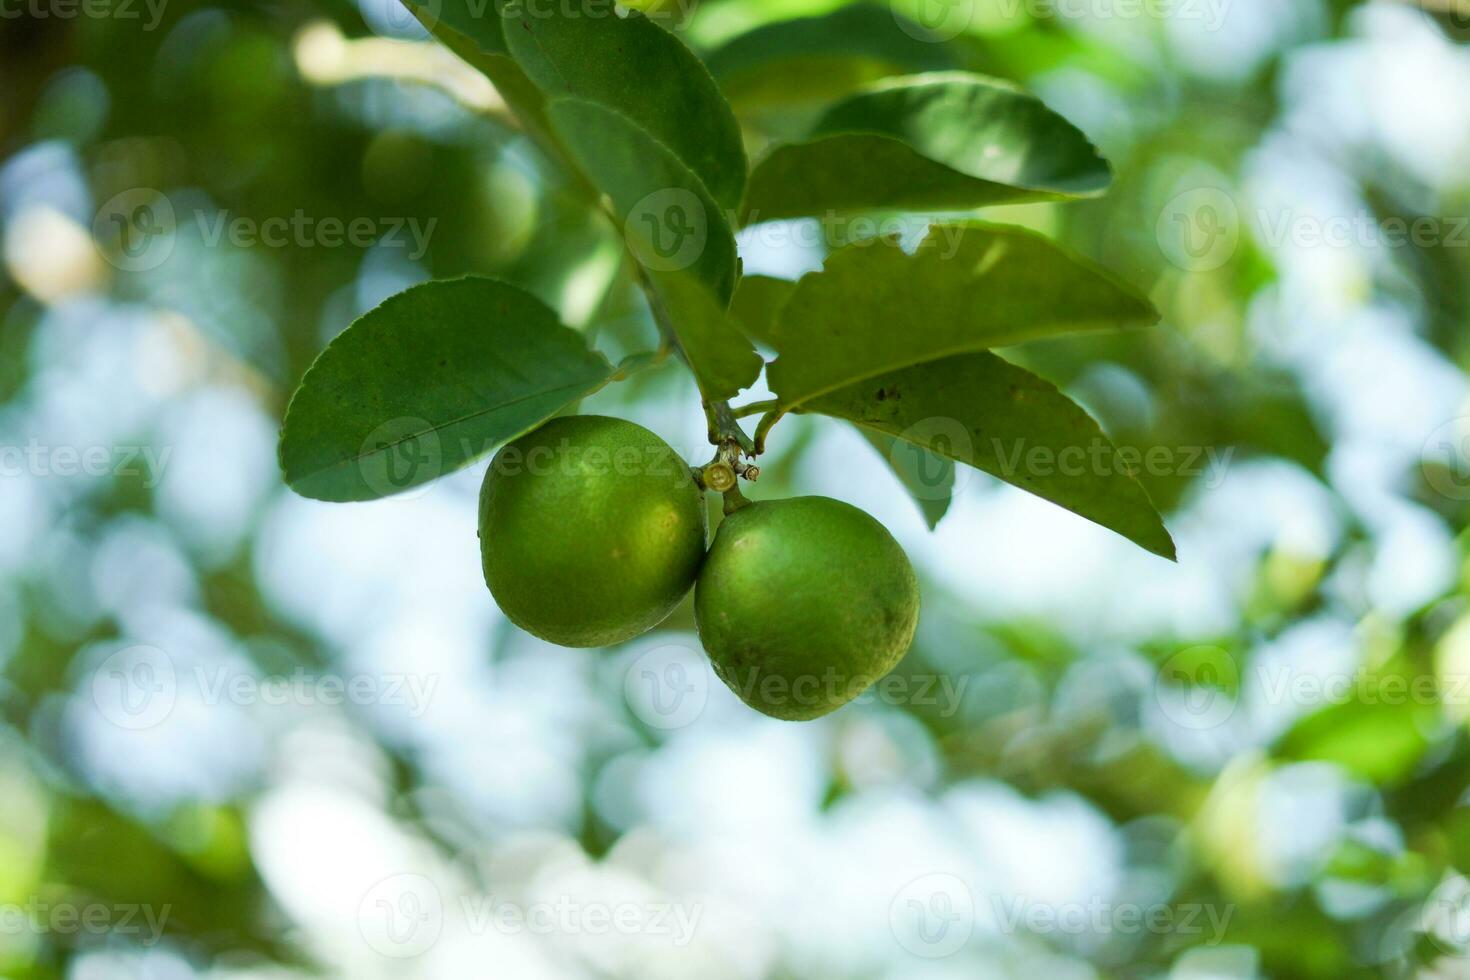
[(426, 383), (99, 856), (1361, 862), (943, 141), (1381, 742), (1434, 795), (1293, 938)]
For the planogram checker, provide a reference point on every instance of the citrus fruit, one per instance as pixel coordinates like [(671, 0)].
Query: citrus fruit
[(804, 603), (591, 530)]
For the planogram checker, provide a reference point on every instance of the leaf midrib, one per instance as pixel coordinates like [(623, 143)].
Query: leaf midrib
[(358, 457)]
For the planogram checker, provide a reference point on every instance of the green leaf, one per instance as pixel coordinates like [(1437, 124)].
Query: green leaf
[(586, 49), (1381, 742), (928, 477), (874, 309), (426, 383), (812, 59), (758, 301), (474, 31), (470, 21), (984, 411), (721, 358), (671, 222), (945, 141)]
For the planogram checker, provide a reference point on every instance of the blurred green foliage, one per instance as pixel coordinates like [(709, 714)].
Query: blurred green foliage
[(216, 105)]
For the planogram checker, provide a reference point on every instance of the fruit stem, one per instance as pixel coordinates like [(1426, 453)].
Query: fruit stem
[(723, 473), (734, 500)]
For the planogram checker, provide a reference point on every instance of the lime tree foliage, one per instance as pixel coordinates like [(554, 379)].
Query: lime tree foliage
[(896, 338)]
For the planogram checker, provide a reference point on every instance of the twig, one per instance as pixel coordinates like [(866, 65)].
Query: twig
[(763, 427), (756, 408)]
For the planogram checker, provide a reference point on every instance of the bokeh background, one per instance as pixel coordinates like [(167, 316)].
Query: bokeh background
[(247, 735)]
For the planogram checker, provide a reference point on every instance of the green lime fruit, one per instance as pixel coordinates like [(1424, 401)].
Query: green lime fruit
[(803, 604), (591, 530)]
